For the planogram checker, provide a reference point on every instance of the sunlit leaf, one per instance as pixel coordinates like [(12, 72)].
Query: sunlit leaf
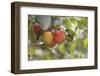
[(31, 51), (72, 49), (48, 56), (62, 48), (86, 42), (31, 34), (81, 55), (83, 22)]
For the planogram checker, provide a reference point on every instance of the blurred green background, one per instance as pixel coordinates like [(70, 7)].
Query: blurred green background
[(75, 47)]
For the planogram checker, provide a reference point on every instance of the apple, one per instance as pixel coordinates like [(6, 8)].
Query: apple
[(59, 36), (47, 37), (51, 44), (36, 28)]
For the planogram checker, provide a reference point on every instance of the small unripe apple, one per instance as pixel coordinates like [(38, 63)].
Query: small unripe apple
[(59, 36), (48, 37)]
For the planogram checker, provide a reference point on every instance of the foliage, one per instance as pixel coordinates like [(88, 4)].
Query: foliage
[(76, 43)]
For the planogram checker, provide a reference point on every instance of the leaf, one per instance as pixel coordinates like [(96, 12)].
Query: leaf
[(67, 22), (31, 34), (31, 51), (54, 17), (71, 34), (86, 42), (47, 56), (73, 20), (81, 55), (62, 48), (83, 22), (70, 31), (72, 48), (55, 27), (69, 38), (32, 18), (30, 24)]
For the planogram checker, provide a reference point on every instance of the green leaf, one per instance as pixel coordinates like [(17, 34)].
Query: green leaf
[(30, 24), (31, 34), (86, 42), (71, 34), (62, 48), (31, 51), (48, 56), (73, 20), (81, 55), (54, 17), (72, 48), (67, 22), (83, 22), (69, 38), (55, 27)]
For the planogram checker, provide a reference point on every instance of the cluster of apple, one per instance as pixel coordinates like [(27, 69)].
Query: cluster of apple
[(50, 37)]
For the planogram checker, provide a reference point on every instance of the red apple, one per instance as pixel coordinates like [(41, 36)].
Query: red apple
[(36, 28), (59, 36)]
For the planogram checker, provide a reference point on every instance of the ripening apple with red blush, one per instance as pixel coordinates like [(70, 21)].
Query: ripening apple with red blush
[(59, 37)]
